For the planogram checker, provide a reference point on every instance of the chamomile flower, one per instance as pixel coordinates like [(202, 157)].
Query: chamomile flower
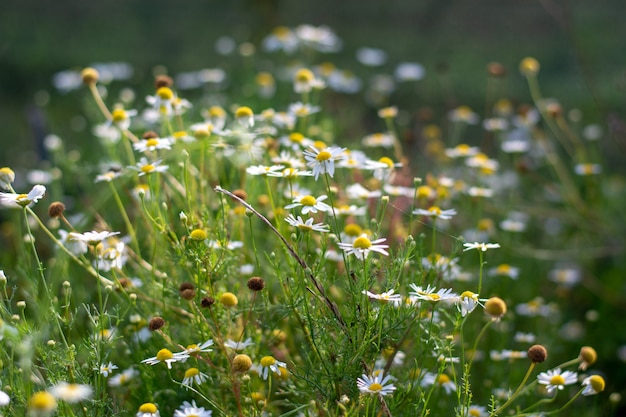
[(430, 294), (195, 349), (163, 100), (375, 384), (238, 346), (467, 302), (263, 169), (480, 246), (462, 151), (476, 411), (106, 368), (7, 176), (323, 161), (359, 192), (193, 376), (387, 296), (23, 200), (290, 173), (463, 114), (121, 118), (108, 176), (593, 384), (91, 238), (310, 204), (269, 363), (42, 403), (556, 379), (76, 246), (166, 356), (436, 213), (306, 226), (505, 270), (383, 140), (123, 378), (229, 244), (148, 410), (383, 168), (152, 144), (71, 393), (144, 167), (362, 246), (299, 109), (441, 380), (191, 410)]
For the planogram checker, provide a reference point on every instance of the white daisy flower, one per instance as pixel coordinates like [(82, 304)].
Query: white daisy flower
[(191, 410), (193, 376), (24, 200), (166, 356), (106, 368), (323, 161), (362, 246), (71, 393), (263, 169), (430, 294), (441, 380), (91, 238), (375, 384), (593, 384), (307, 225), (480, 246), (556, 379), (309, 204), (123, 378), (387, 296), (237, 346), (145, 167), (269, 363), (148, 410), (435, 212), (152, 144)]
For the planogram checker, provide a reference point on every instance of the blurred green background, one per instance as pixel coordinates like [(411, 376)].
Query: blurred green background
[(579, 43)]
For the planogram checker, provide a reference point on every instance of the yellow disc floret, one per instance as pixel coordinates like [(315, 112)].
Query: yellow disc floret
[(164, 354), (362, 242)]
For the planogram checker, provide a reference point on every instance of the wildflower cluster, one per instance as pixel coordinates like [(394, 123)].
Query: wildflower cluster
[(366, 290)]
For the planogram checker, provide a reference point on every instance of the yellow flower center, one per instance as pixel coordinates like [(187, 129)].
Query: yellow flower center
[(147, 168), (352, 229), (463, 148), (435, 210), (164, 354), (268, 361), (304, 76), (474, 412), (198, 234), (323, 156), (387, 161), (264, 79), (191, 372), (152, 142), (148, 408), (443, 379), (216, 111), (179, 134), (503, 269), (308, 200), (281, 32), (375, 387), (557, 380), (21, 197), (424, 191), (42, 400), (597, 383), (165, 93), (119, 115), (296, 137), (244, 112), (464, 112), (362, 243), (468, 294)]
